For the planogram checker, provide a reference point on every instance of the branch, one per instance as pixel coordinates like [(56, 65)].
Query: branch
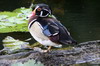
[(83, 52)]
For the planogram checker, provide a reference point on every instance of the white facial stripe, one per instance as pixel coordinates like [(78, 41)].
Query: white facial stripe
[(41, 13), (48, 11), (31, 23), (46, 15), (43, 16), (45, 9), (37, 7), (34, 9)]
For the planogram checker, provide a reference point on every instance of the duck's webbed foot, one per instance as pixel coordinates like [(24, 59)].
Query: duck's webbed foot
[(40, 50)]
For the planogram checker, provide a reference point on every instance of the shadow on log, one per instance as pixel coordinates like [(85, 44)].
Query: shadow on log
[(83, 52)]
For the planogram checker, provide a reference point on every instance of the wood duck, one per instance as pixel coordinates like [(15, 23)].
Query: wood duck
[(46, 29)]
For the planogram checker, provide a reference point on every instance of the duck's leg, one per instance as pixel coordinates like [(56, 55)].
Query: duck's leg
[(48, 49), (40, 50)]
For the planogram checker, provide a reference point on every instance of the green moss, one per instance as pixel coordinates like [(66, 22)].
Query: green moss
[(37, 44), (18, 27), (13, 44), (14, 21), (10, 14), (19, 10)]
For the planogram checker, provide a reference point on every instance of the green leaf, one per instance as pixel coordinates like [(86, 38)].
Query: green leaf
[(13, 44), (14, 21)]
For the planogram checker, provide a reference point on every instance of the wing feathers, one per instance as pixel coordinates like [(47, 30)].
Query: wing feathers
[(56, 32)]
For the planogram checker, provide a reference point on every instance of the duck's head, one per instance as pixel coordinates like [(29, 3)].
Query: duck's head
[(41, 10)]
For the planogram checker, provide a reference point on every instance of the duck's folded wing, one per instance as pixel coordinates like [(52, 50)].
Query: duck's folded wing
[(57, 33), (51, 30)]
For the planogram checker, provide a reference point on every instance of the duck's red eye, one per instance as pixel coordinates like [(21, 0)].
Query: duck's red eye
[(39, 9)]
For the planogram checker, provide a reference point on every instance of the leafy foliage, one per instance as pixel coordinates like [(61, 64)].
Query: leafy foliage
[(14, 21), (11, 44)]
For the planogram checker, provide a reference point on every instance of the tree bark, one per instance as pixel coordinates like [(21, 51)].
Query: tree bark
[(83, 52)]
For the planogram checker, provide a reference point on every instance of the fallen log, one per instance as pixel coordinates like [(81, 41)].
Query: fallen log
[(81, 53)]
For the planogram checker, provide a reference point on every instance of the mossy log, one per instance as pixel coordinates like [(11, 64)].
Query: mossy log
[(83, 52)]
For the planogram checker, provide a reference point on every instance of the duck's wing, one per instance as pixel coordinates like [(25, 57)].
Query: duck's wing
[(57, 32)]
